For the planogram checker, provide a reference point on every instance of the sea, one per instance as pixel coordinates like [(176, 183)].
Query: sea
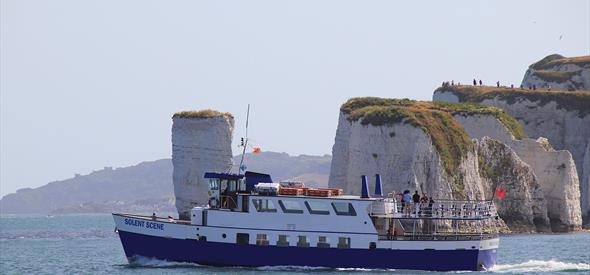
[(87, 244)]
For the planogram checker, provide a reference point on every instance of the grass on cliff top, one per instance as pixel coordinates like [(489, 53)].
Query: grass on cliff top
[(202, 114), (556, 59), (448, 136), (554, 76), (378, 111), (513, 126), (570, 101)]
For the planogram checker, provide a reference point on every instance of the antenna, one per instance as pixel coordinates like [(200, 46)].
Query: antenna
[(244, 141)]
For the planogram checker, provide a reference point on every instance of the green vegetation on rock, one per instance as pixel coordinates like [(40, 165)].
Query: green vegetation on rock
[(554, 76), (468, 109), (556, 59), (494, 171), (202, 114), (570, 101), (447, 135)]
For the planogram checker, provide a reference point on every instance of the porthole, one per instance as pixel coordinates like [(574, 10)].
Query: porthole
[(223, 235)]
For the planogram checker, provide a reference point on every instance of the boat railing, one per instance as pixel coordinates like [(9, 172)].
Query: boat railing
[(439, 209), (440, 237)]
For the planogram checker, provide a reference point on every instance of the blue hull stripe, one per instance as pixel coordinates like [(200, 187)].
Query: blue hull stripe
[(224, 254)]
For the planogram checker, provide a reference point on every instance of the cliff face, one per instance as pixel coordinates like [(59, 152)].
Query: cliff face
[(201, 142), (555, 171), (524, 208), (561, 117), (369, 150), (559, 73), (420, 146)]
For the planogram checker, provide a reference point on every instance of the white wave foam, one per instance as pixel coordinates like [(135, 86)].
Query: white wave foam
[(364, 270), (141, 261), (318, 268), (291, 268), (540, 266)]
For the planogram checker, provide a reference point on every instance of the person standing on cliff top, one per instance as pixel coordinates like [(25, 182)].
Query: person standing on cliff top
[(498, 84), (474, 82), (480, 83)]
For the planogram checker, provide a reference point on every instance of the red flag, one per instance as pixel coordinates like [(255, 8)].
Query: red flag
[(500, 193), (256, 150)]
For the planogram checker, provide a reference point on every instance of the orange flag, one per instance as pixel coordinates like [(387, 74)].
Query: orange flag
[(256, 150)]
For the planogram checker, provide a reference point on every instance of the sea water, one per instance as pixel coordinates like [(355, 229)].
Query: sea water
[(87, 244)]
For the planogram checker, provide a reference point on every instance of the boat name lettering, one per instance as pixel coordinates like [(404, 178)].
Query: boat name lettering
[(151, 225)]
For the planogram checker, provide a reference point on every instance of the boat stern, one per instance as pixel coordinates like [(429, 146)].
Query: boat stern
[(488, 252)]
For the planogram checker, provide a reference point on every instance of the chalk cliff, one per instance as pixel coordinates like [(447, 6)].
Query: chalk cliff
[(555, 171), (421, 146), (560, 116), (201, 142), (559, 73), (524, 209)]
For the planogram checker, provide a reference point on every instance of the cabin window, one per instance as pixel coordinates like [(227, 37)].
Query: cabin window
[(302, 241), (343, 242), (283, 240), (232, 186), (317, 208), (242, 185), (343, 209), (261, 239), (264, 205), (291, 206), (223, 186), (242, 238), (372, 245), (323, 242), (214, 184)]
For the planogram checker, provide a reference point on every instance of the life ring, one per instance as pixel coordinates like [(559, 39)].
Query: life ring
[(213, 202)]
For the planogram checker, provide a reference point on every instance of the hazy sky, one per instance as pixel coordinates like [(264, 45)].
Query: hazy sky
[(88, 84)]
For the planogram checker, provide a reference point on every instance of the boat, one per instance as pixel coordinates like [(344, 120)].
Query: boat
[(251, 221)]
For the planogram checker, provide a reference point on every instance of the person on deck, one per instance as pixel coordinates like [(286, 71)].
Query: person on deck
[(423, 202), (416, 199), (406, 199)]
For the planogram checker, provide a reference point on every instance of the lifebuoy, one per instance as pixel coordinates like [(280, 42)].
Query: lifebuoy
[(213, 202)]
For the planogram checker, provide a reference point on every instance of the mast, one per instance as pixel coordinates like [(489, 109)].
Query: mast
[(244, 141)]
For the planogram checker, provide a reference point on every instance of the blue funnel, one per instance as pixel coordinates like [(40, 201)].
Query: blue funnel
[(378, 186), (365, 187)]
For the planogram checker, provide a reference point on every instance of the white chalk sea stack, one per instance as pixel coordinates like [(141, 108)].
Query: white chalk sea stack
[(562, 117), (201, 142)]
